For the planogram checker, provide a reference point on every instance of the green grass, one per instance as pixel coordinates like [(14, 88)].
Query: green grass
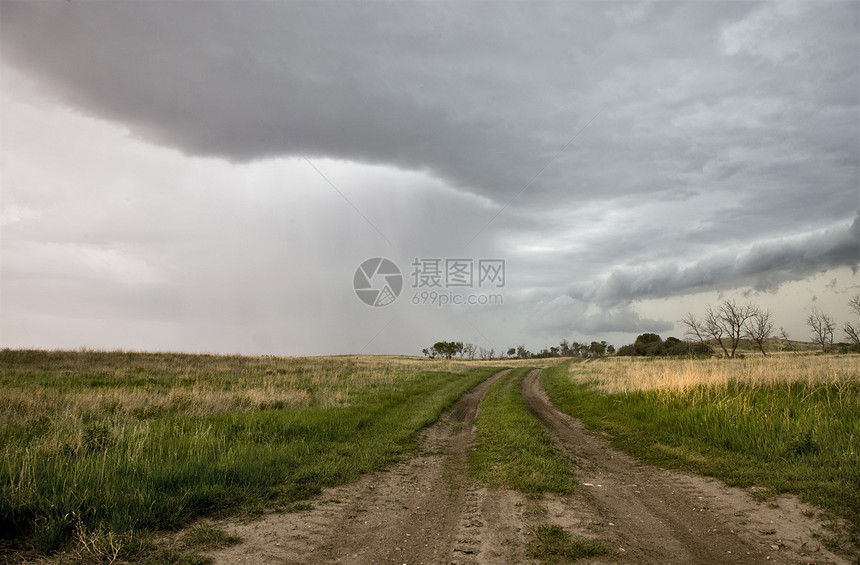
[(512, 450), (121, 443), (791, 437), (552, 544), (207, 537)]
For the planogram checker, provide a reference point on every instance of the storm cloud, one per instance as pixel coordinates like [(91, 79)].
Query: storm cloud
[(762, 267)]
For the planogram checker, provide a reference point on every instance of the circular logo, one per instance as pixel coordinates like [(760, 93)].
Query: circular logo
[(377, 282)]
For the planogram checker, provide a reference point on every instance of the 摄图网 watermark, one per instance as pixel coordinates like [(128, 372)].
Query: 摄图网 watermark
[(436, 281)]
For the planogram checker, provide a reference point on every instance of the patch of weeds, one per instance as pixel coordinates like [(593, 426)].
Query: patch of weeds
[(49, 533), (832, 541), (553, 543), (206, 536), (97, 438), (834, 537), (761, 494), (100, 546), (512, 450), (537, 510), (296, 507), (803, 444), (170, 556)]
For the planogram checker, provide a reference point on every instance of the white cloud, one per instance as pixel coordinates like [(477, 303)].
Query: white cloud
[(759, 33), (12, 214)]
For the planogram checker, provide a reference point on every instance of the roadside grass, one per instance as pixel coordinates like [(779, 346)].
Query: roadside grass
[(512, 450), (788, 423), (106, 448), (206, 537)]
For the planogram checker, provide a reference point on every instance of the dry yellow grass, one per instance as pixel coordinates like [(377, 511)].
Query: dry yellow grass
[(628, 374), (65, 389), (122, 383)]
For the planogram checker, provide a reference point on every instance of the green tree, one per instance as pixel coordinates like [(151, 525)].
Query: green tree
[(564, 348), (648, 344), (448, 348)]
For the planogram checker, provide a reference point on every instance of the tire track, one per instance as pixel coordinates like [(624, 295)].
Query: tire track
[(412, 512)]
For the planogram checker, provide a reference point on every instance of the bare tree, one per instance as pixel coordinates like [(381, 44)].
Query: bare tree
[(725, 325), (694, 326), (822, 327), (852, 331), (484, 353), (469, 350), (783, 335), (759, 327), (854, 303)]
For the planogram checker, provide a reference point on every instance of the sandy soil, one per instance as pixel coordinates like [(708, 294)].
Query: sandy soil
[(426, 510)]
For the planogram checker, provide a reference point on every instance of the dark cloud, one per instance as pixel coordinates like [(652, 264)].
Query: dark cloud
[(484, 99), (763, 266)]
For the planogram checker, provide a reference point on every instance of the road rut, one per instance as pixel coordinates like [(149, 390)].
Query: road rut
[(421, 511)]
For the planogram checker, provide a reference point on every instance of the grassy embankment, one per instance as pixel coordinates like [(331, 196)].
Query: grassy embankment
[(109, 446), (512, 450), (788, 423)]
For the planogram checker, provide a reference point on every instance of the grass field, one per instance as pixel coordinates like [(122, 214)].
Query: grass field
[(786, 422), (98, 445)]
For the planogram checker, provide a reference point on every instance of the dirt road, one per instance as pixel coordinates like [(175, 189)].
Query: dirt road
[(427, 511), (419, 511)]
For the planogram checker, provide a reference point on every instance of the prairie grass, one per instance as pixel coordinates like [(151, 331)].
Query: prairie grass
[(789, 423), (118, 442), (512, 450), (628, 374)]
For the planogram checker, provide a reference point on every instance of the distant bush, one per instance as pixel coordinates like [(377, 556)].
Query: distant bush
[(652, 345)]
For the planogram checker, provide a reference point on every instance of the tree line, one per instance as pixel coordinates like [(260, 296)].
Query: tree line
[(729, 322), (451, 349), (723, 326), (652, 345)]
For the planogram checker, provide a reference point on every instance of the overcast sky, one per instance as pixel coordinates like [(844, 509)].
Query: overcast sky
[(208, 176)]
